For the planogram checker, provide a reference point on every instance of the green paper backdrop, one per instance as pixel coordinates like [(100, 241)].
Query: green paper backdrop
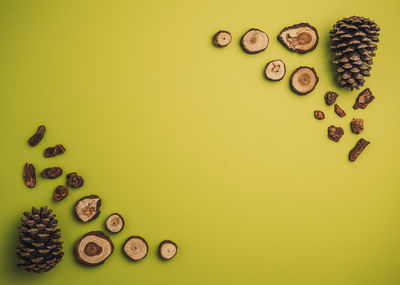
[(189, 142)]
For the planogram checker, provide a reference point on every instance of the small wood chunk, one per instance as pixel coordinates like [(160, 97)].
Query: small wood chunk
[(135, 248), (94, 248), (167, 249), (330, 97), (29, 175), (38, 136), (335, 133), (275, 70), (88, 208), (339, 111), (115, 223), (300, 38), (51, 172), (363, 99), (60, 193), (254, 41), (222, 38), (303, 80), (319, 115), (74, 180), (53, 151), (357, 125), (360, 146)]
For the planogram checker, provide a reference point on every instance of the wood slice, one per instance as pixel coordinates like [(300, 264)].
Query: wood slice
[(115, 223), (135, 248), (222, 38), (88, 208), (254, 41), (303, 80), (300, 38), (94, 248), (167, 249), (275, 70)]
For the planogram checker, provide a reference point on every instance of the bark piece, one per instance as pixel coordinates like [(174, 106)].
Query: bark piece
[(319, 115), (51, 172), (60, 193), (339, 111), (335, 133), (303, 80), (360, 146), (88, 208), (38, 136), (222, 38), (135, 248), (29, 175), (167, 249), (300, 38), (254, 41), (115, 223), (363, 99), (74, 180), (94, 248), (53, 151), (275, 70), (357, 125), (330, 97)]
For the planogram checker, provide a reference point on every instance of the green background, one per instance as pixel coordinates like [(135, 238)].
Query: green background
[(189, 142)]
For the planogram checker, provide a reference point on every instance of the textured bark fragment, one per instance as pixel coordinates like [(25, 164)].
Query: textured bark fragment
[(74, 180), (363, 99), (335, 133), (357, 125), (29, 175), (339, 111), (38, 136), (60, 193), (319, 115), (330, 97), (51, 172), (53, 151), (356, 151)]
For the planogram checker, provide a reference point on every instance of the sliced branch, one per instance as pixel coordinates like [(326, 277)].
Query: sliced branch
[(254, 41), (167, 249), (88, 208), (222, 38), (135, 248), (275, 70), (303, 80), (300, 38), (94, 248), (115, 223)]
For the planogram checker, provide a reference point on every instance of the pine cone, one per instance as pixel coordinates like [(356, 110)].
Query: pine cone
[(353, 44), (39, 248)]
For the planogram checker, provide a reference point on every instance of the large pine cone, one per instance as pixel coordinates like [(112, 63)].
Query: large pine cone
[(353, 44), (39, 248)]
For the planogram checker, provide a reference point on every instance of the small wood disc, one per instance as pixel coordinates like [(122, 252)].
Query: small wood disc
[(275, 70), (115, 223), (135, 248), (254, 41), (94, 248), (167, 249), (222, 38), (303, 80), (88, 208)]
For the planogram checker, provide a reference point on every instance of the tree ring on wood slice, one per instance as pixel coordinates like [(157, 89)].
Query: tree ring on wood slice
[(275, 70), (88, 208), (135, 248), (167, 249), (300, 38), (254, 41), (115, 223), (94, 248), (303, 80), (222, 38)]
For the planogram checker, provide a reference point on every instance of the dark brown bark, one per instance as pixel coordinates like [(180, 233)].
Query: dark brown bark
[(60, 193), (356, 151), (74, 180), (38, 136), (29, 175), (363, 99), (53, 151), (339, 111), (330, 97), (51, 172), (357, 125), (319, 115), (335, 133)]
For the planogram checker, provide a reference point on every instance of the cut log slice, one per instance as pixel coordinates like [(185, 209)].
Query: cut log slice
[(275, 70), (222, 38), (300, 38), (115, 223), (254, 41), (88, 208), (94, 248), (303, 80), (167, 249), (135, 248)]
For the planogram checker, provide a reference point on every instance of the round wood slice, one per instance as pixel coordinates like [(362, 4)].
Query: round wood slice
[(222, 38), (254, 41), (135, 248), (115, 223), (303, 80), (94, 248), (275, 70), (167, 249)]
